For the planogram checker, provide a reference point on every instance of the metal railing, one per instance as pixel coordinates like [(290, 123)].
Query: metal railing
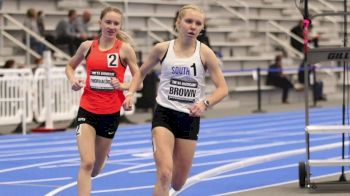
[(237, 14), (31, 34), (329, 18), (155, 36), (21, 45), (327, 4), (283, 43)]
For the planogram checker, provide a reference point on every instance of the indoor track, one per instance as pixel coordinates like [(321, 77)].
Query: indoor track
[(233, 154)]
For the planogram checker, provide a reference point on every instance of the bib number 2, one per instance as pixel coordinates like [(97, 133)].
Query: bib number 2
[(112, 60)]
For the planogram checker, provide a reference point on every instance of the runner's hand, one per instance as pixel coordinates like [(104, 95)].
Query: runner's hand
[(128, 103), (77, 84), (117, 84), (197, 109)]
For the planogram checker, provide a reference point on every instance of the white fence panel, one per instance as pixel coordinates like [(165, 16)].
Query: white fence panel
[(22, 91), (15, 96), (64, 101)]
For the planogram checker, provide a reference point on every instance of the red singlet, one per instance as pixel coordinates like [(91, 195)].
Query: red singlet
[(99, 96)]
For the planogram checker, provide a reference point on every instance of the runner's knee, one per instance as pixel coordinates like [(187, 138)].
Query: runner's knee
[(87, 165), (165, 175)]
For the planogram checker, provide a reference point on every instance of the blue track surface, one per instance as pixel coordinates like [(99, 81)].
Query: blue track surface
[(252, 151)]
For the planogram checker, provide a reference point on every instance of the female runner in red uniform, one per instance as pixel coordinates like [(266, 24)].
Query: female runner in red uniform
[(98, 116)]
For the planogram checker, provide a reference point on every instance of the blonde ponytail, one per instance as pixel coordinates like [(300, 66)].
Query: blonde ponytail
[(125, 38)]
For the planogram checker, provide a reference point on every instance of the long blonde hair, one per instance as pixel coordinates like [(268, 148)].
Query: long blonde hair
[(121, 34)]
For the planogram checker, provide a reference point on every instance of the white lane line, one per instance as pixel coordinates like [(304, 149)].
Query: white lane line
[(74, 160), (128, 160), (250, 161), (277, 184), (148, 154), (37, 180), (258, 171), (194, 165), (76, 164), (62, 188), (36, 144), (21, 158), (37, 165), (250, 139), (251, 172), (131, 143), (11, 153), (216, 162), (242, 130), (247, 123), (39, 157), (259, 146), (61, 149), (147, 141), (13, 140), (123, 189), (206, 153), (37, 151), (143, 171)]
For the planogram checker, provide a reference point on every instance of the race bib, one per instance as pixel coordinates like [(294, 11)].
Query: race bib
[(101, 80), (182, 91), (112, 60)]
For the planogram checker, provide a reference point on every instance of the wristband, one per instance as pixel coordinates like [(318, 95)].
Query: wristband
[(206, 103), (129, 93)]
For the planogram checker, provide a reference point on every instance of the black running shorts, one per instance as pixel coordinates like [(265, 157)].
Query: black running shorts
[(106, 125), (181, 124)]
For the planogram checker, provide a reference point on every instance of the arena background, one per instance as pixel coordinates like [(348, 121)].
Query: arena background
[(246, 36)]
